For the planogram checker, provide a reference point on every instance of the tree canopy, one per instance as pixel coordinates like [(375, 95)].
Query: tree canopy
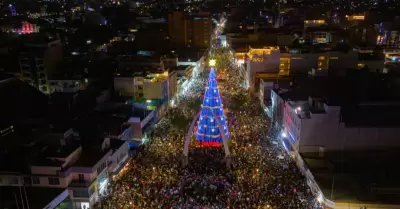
[(240, 100)]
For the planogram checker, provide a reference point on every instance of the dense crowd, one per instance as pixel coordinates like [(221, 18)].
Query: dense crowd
[(262, 175)]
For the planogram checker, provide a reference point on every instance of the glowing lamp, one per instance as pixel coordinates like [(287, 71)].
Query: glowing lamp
[(212, 63)]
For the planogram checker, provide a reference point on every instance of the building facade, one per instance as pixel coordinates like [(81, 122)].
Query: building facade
[(85, 183), (313, 126), (190, 30), (277, 64), (38, 61)]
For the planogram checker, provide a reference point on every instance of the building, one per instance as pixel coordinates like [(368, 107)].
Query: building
[(143, 61), (274, 63), (172, 85), (313, 23), (301, 119), (342, 147), (156, 86), (176, 28), (70, 85), (265, 59), (39, 58), (84, 172), (33, 197), (20, 28), (48, 156), (190, 30), (149, 86)]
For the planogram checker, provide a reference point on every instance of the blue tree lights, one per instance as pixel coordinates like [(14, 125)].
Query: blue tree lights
[(208, 132)]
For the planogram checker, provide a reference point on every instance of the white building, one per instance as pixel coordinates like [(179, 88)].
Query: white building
[(313, 125), (322, 136), (84, 173)]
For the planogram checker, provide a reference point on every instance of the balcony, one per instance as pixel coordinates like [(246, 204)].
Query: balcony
[(75, 183)]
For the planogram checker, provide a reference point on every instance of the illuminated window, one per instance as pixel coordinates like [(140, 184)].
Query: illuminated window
[(360, 65), (284, 66), (323, 62)]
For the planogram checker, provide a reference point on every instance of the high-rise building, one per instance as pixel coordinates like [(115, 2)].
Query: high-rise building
[(211, 116), (40, 58), (190, 30)]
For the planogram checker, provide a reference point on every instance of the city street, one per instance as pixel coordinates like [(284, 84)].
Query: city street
[(261, 174)]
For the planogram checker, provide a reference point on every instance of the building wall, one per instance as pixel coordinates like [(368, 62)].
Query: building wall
[(272, 61), (53, 56), (292, 125), (324, 132), (136, 131), (11, 179), (199, 29), (39, 61), (118, 157), (278, 105), (336, 61), (190, 30), (176, 28), (172, 85), (151, 90), (125, 85), (262, 60)]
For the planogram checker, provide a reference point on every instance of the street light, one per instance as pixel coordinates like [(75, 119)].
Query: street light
[(212, 63)]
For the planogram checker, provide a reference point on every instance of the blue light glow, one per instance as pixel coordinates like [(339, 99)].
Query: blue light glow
[(207, 130)]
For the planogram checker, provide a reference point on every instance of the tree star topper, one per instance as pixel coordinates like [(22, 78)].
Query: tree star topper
[(212, 62)]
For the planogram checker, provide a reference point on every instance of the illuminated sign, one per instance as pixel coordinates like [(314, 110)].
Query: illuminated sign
[(314, 21), (358, 17), (355, 17)]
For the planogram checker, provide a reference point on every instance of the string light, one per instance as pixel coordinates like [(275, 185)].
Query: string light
[(211, 136)]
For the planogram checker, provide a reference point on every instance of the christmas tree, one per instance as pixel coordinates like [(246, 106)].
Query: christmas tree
[(208, 132)]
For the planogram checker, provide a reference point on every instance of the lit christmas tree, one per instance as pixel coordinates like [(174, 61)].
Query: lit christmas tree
[(208, 132)]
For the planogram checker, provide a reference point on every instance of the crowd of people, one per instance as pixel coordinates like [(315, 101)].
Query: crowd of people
[(261, 175)]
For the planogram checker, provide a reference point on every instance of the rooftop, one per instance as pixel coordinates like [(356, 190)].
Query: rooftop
[(371, 114), (36, 197), (60, 151), (107, 119), (90, 157), (37, 38), (138, 58), (359, 176), (15, 96)]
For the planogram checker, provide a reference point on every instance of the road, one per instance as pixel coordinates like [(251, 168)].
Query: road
[(262, 175)]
